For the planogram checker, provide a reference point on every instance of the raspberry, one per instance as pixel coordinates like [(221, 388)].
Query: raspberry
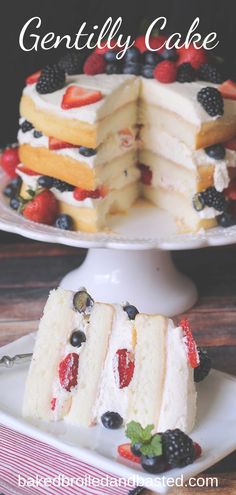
[(197, 449), (178, 448), (68, 371), (185, 73), (211, 100), (95, 64), (51, 79), (165, 72)]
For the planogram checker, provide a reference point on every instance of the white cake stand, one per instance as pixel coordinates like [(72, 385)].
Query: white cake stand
[(131, 261)]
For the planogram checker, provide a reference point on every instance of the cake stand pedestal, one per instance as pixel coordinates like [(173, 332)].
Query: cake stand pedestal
[(148, 279)]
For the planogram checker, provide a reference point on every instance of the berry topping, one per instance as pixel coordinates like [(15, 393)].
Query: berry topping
[(110, 57), (178, 448), (185, 73), (131, 311), (72, 62), (197, 450), (123, 367), (135, 448), (26, 126), (151, 58), (94, 64), (153, 464), (195, 56), (204, 366), (82, 301), (147, 71), (165, 72), (45, 181), (192, 352), (132, 55), (77, 338), (146, 174), (87, 151), (216, 151), (62, 186), (10, 160), (75, 97), (81, 194), (124, 451), (11, 190), (228, 89), (111, 420), (147, 446), (42, 208), (227, 219), (155, 42), (214, 198), (33, 78), (211, 100), (210, 73), (64, 222), (132, 68), (53, 404), (68, 371), (169, 54), (37, 134), (51, 79), (113, 68), (56, 144)]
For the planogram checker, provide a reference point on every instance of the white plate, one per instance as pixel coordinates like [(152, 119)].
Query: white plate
[(144, 227), (215, 429)]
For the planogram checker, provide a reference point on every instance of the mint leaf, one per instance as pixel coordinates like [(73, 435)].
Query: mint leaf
[(137, 434), (153, 448), (147, 433)]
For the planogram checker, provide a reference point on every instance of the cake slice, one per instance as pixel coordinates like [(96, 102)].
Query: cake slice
[(108, 359)]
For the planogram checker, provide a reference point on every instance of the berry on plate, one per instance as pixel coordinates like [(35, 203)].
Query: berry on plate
[(75, 97), (123, 367), (165, 72), (195, 56), (68, 371), (111, 420), (42, 208), (64, 222), (33, 78), (94, 64), (51, 79), (10, 160), (204, 367), (178, 448), (124, 451), (228, 89)]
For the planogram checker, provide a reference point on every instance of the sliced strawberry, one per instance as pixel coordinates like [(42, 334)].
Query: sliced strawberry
[(27, 171), (228, 89), (56, 144), (124, 450), (155, 42), (53, 404), (10, 160), (33, 78), (123, 367), (81, 194), (230, 192), (146, 174), (68, 371), (231, 145), (198, 450), (192, 351), (195, 56), (75, 96), (43, 208)]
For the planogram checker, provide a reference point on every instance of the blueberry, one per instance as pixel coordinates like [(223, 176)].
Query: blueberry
[(153, 465), (226, 220), (131, 311), (147, 71), (87, 151), (16, 182), (132, 55), (15, 203), (82, 301), (37, 134), (113, 68), (169, 54), (135, 449), (151, 58), (62, 186), (110, 56), (9, 191), (64, 222), (45, 181), (26, 126), (132, 68), (111, 420), (217, 151), (77, 338)]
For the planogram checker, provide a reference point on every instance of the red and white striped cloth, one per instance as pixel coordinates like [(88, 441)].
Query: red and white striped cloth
[(21, 455)]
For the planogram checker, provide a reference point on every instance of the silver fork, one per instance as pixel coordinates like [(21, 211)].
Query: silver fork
[(9, 362)]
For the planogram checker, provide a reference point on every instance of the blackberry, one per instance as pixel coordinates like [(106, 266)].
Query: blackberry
[(72, 62), (169, 54), (113, 68), (185, 73), (62, 186), (211, 73), (214, 198), (51, 79), (211, 100), (204, 367), (178, 448), (226, 220), (217, 151), (26, 126), (37, 134)]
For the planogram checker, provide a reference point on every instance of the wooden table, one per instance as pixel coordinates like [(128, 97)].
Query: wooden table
[(28, 270)]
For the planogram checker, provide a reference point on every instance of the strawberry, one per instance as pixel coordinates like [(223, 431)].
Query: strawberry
[(94, 64), (231, 145), (155, 43), (33, 78), (228, 89), (195, 56), (123, 367), (75, 96), (68, 371), (26, 171), (81, 194), (53, 404), (105, 48), (193, 356), (43, 208), (124, 450), (56, 144), (165, 72), (230, 192), (10, 160), (146, 174), (198, 450)]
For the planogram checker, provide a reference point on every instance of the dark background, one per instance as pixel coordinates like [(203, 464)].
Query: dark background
[(65, 17)]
